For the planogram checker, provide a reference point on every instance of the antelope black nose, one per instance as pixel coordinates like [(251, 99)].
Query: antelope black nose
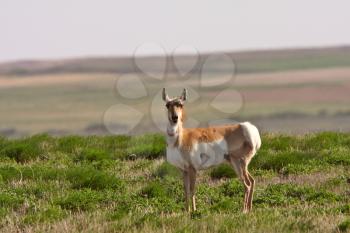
[(174, 118)]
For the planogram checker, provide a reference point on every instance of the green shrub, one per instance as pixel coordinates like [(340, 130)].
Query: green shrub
[(122, 209), (42, 142), (3, 141), (281, 194), (335, 182), (42, 172), (154, 190), (208, 195), (20, 152), (345, 209), (49, 214), (149, 146), (26, 149), (88, 177), (307, 167), (70, 144), (272, 197), (146, 151), (167, 170), (37, 190), (232, 188), (93, 155), (85, 199), (226, 205), (322, 196), (326, 140), (163, 196), (10, 200), (293, 154), (344, 226), (339, 159), (278, 160), (222, 171), (80, 177), (8, 173), (120, 141), (3, 212), (279, 142)]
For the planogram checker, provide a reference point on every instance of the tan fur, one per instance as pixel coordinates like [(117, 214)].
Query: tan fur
[(232, 133)]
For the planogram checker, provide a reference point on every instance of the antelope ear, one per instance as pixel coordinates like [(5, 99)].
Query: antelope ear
[(184, 95), (165, 96)]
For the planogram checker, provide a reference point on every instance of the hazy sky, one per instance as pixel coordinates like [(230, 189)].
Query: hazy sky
[(65, 28)]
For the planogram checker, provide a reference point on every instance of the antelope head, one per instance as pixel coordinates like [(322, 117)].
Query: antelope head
[(175, 112)]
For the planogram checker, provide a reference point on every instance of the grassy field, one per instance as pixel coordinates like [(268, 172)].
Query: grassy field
[(122, 184)]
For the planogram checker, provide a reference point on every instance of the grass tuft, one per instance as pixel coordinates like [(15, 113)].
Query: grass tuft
[(154, 190), (91, 155), (167, 170), (10, 200), (49, 214), (85, 199), (88, 177), (286, 194), (344, 226), (222, 171)]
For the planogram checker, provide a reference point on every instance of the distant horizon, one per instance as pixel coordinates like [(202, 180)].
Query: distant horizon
[(247, 50)]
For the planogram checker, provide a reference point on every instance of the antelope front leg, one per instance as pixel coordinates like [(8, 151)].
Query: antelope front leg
[(186, 180), (192, 175)]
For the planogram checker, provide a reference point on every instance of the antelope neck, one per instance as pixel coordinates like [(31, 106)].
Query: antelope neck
[(174, 133)]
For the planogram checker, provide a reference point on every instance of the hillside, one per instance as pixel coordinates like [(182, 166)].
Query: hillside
[(122, 184), (246, 62)]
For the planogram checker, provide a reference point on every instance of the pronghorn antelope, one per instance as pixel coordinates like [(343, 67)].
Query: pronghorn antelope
[(194, 149)]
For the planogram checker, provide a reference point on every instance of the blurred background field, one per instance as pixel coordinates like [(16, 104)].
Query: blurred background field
[(289, 91)]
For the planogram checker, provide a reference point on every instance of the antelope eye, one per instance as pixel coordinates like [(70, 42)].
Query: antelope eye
[(167, 106)]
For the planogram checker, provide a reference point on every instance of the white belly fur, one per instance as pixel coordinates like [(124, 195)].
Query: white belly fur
[(205, 155), (174, 157), (202, 155)]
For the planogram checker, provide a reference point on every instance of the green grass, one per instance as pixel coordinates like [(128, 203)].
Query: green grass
[(93, 184), (222, 171), (344, 226)]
